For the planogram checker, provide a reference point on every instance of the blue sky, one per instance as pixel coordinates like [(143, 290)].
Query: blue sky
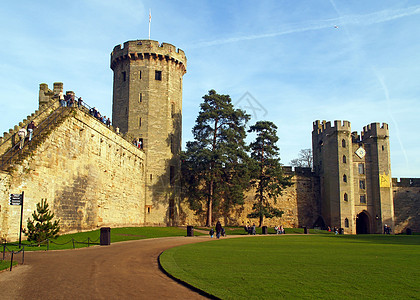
[(285, 58)]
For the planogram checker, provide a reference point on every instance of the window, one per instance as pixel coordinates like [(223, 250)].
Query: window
[(172, 144), (383, 148), (172, 110), (344, 159), (171, 208), (362, 198), (362, 185), (345, 178), (124, 76), (172, 175), (149, 208), (361, 169), (140, 97), (346, 223), (343, 143), (158, 75), (139, 74), (151, 177), (139, 122), (346, 197)]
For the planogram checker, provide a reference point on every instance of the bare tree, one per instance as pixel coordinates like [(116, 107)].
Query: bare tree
[(305, 159)]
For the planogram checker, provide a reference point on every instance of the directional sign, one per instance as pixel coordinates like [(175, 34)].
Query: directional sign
[(16, 199)]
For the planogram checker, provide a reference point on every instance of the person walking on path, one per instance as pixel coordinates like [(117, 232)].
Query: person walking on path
[(218, 229), (254, 231), (22, 134)]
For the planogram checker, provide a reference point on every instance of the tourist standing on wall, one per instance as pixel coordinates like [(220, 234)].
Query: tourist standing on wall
[(61, 99), (22, 134), (79, 102), (30, 128)]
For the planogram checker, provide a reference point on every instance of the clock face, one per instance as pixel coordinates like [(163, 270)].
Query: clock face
[(360, 152)]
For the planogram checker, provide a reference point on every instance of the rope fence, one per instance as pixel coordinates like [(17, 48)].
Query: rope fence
[(47, 242)]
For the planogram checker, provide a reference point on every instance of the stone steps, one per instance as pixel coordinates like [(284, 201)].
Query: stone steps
[(16, 156)]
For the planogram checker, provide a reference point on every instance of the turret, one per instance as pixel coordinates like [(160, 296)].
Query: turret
[(147, 107)]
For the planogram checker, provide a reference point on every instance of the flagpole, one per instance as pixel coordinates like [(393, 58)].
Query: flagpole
[(150, 19)]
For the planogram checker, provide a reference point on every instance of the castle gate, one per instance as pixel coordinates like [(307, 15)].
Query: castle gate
[(362, 223)]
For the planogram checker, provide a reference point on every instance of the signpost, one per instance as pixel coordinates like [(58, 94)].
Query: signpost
[(17, 199)]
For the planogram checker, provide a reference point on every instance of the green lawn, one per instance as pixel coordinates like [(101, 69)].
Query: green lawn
[(301, 267), (117, 235)]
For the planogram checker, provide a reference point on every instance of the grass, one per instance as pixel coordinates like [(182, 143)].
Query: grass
[(117, 235), (301, 267), (241, 230), (4, 264)]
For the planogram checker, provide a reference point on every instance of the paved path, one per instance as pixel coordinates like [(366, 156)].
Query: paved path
[(125, 270)]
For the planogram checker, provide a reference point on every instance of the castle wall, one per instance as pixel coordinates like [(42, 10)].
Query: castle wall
[(90, 176), (406, 204), (300, 203)]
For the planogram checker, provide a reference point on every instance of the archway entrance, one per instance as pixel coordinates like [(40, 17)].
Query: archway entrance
[(362, 223)]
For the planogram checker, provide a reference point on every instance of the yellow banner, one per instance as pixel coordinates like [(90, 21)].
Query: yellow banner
[(384, 181)]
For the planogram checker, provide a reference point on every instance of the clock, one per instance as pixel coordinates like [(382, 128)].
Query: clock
[(360, 152)]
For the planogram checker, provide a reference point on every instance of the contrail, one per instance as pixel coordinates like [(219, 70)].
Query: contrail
[(374, 18), (386, 92), (358, 20)]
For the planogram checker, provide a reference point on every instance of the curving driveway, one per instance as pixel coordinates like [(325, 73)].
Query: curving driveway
[(125, 270)]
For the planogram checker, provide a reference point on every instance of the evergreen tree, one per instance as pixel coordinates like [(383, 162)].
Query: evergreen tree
[(41, 227), (214, 165), (267, 178)]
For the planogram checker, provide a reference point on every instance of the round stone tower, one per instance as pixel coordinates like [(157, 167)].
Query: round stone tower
[(147, 107)]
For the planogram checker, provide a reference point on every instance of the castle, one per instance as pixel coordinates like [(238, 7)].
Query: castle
[(93, 175)]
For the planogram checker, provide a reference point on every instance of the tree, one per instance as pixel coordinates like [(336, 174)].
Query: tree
[(41, 227), (304, 159), (268, 177), (214, 165)]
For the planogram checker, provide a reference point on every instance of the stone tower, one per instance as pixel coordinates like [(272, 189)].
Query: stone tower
[(147, 107), (355, 176)]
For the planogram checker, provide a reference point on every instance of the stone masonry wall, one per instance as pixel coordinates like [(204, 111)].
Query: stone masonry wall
[(90, 176), (406, 204), (299, 202)]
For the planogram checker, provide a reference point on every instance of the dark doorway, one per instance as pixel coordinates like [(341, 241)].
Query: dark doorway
[(362, 223)]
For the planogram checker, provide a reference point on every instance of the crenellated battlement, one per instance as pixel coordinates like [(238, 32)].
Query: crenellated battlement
[(148, 49), (375, 130), (302, 171), (325, 127), (406, 182)]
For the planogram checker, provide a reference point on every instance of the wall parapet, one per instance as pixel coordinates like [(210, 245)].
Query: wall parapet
[(303, 171), (406, 182), (147, 49), (325, 127), (8, 139), (375, 130)]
